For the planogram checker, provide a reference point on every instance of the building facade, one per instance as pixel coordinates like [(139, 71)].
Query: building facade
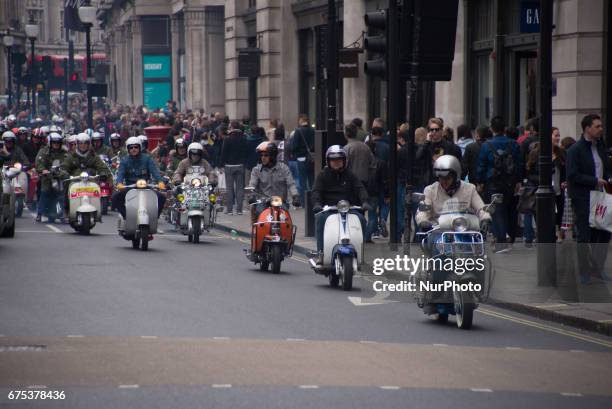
[(11, 23)]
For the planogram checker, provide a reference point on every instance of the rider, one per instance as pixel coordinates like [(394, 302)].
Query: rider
[(177, 155), (195, 153), (97, 141), (137, 165), (116, 146), (44, 164), (447, 169), (71, 143), (144, 143), (334, 183), (83, 159), (272, 178), (12, 153), (32, 147)]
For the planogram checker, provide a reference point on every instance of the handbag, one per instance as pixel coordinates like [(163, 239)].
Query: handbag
[(221, 180), (527, 200), (309, 158), (600, 214), (567, 221)]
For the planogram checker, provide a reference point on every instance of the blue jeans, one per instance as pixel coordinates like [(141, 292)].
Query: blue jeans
[(320, 224), (293, 167), (528, 227), (46, 204), (306, 178), (401, 209), (372, 225), (504, 212), (234, 181)]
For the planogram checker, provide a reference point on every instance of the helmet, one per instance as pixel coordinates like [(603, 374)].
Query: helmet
[(268, 147), (180, 143), (335, 152), (54, 118), (133, 140), (11, 118), (44, 130), (55, 137), (447, 165), (83, 138), (71, 139), (115, 137), (8, 136), (97, 136), (23, 129), (144, 141), (195, 148)]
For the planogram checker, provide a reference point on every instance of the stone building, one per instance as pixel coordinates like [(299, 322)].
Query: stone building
[(11, 23)]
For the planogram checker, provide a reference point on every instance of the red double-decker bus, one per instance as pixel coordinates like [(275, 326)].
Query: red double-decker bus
[(56, 81)]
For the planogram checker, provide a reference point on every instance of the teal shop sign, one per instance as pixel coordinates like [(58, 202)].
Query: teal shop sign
[(156, 94), (156, 66)]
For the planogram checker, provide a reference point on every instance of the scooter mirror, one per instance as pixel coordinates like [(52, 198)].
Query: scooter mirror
[(417, 197), (497, 198), (249, 189), (424, 207)]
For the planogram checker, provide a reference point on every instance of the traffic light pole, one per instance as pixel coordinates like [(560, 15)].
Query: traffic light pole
[(32, 79), (332, 70), (545, 196), (89, 77), (9, 79), (393, 103)]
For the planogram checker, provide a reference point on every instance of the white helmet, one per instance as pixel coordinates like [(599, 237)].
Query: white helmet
[(55, 118), (45, 129), (55, 137), (133, 140), (8, 136), (447, 165), (83, 138), (97, 136), (195, 148), (71, 139)]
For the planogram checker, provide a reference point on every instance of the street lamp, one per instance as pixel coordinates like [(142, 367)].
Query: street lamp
[(87, 15), (32, 33), (8, 41)]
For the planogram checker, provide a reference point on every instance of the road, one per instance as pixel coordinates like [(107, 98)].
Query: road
[(198, 326)]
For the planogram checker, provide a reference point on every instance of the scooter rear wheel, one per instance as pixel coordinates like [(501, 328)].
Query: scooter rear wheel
[(85, 225)]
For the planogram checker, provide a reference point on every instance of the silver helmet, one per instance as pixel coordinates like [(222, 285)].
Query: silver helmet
[(447, 165)]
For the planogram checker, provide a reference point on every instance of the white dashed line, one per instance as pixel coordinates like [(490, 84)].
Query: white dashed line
[(389, 387), (440, 345), (148, 336), (221, 385), (571, 394), (75, 336), (364, 341), (514, 348), (221, 338), (295, 339), (129, 386), (309, 386), (576, 350), (481, 390), (53, 228)]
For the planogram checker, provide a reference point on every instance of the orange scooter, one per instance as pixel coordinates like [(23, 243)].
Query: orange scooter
[(272, 234)]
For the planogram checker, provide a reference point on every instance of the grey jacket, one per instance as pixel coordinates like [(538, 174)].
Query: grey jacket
[(185, 164), (273, 181), (360, 160)]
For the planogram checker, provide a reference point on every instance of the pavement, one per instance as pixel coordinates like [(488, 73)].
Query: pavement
[(516, 278), (199, 326)]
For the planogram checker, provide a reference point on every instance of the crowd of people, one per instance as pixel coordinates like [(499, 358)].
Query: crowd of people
[(496, 158)]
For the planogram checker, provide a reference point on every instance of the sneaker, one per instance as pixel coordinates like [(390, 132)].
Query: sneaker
[(383, 230), (38, 218), (376, 236), (501, 248), (529, 244), (239, 213)]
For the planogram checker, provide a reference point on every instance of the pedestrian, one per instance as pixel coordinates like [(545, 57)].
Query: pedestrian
[(559, 157), (379, 197), (500, 171), (359, 157), (233, 158), (469, 162), (302, 144), (361, 133), (464, 137), (589, 169), (436, 143)]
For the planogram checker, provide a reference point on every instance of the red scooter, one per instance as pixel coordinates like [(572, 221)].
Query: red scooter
[(106, 191)]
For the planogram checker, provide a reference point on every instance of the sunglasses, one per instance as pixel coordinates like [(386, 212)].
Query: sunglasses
[(133, 147), (434, 129), (264, 155)]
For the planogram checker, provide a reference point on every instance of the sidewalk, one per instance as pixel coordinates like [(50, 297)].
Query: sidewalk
[(515, 284)]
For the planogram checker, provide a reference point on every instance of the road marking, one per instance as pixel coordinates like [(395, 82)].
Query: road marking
[(75, 336), (604, 321), (221, 338), (546, 327), (37, 387), (148, 336), (221, 385), (53, 228), (389, 387), (572, 394), (367, 342), (486, 390), (440, 345), (309, 386), (514, 348), (296, 339), (129, 386), (545, 306), (34, 231)]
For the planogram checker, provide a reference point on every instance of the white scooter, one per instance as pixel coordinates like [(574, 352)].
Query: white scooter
[(140, 214), (197, 211), (7, 200), (342, 246), (84, 202), (20, 187)]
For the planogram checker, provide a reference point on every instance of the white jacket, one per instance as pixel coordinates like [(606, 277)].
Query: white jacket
[(436, 196)]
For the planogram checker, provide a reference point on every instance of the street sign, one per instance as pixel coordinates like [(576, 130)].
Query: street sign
[(348, 62), (156, 66), (530, 16), (156, 94), (97, 90), (249, 62)]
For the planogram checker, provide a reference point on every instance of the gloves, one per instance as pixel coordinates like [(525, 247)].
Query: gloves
[(296, 201), (485, 225), (120, 186), (425, 225), (365, 206), (317, 208), (161, 186)]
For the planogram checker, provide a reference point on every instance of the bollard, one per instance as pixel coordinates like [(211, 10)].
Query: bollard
[(309, 220)]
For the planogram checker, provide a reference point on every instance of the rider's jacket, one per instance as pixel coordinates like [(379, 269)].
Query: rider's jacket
[(106, 151), (330, 187), (273, 181), (436, 196), (15, 155), (185, 164), (140, 167), (44, 161), (74, 164)]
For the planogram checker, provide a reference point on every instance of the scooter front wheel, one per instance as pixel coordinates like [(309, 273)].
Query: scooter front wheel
[(464, 309), (277, 258), (85, 227), (144, 238), (347, 273)]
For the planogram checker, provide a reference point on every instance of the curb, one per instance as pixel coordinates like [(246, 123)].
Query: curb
[(547, 315), (602, 328)]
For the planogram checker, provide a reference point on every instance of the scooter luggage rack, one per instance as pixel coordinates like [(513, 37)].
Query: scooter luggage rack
[(474, 247)]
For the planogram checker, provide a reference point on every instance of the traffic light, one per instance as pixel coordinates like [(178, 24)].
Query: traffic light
[(75, 82), (375, 43)]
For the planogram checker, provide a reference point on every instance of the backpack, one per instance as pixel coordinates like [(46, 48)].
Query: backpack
[(504, 169)]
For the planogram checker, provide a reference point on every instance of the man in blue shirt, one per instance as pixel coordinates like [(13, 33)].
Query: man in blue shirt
[(500, 168), (133, 167)]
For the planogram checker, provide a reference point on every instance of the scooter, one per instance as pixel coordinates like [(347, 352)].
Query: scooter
[(141, 214), (197, 210), (32, 199), (56, 209), (106, 187), (83, 202), (342, 246), (456, 236), (272, 234), (20, 187), (7, 200)]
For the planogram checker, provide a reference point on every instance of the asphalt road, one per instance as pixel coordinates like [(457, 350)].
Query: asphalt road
[(198, 326)]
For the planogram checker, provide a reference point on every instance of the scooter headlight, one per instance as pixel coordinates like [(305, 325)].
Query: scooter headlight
[(181, 198), (212, 198), (276, 201), (141, 184), (460, 224), (84, 175), (343, 206), (17, 166), (195, 182)]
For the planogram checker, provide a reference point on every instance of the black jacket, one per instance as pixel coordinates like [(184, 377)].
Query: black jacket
[(234, 151), (330, 187), (580, 168), (298, 149), (469, 163)]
